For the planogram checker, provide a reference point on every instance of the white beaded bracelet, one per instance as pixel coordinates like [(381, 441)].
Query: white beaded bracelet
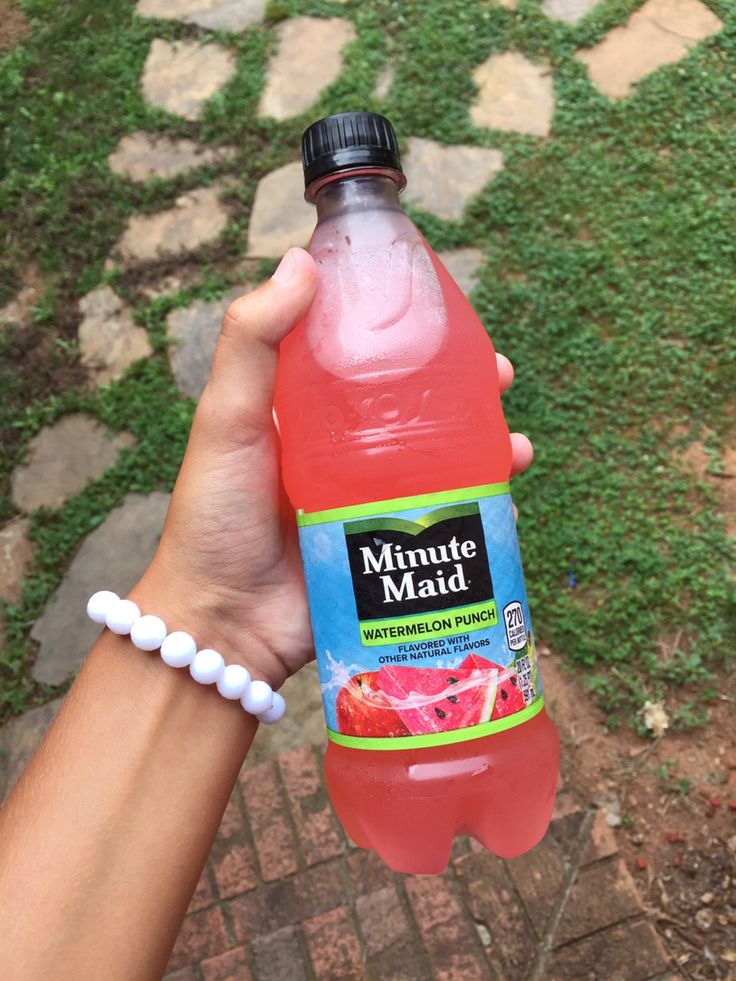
[(179, 650)]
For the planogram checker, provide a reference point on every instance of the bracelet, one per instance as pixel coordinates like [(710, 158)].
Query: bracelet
[(179, 650)]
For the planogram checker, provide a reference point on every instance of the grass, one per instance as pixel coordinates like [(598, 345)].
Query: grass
[(608, 279)]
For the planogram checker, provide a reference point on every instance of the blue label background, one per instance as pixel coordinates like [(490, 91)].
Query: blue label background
[(332, 603)]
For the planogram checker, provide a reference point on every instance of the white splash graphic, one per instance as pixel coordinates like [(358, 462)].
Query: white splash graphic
[(350, 679)]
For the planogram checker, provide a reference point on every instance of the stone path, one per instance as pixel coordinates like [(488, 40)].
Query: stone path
[(276, 901)]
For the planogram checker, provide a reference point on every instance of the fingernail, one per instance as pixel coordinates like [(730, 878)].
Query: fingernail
[(285, 269)]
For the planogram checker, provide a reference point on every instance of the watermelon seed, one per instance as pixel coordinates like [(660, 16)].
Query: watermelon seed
[(440, 713), (453, 699), (504, 694), (512, 679), (452, 681)]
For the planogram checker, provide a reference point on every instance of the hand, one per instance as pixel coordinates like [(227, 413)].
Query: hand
[(227, 568)]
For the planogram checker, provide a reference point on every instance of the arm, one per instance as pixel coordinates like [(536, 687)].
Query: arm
[(106, 833), (104, 837)]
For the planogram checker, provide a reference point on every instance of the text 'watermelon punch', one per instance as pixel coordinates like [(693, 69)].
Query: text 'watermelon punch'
[(396, 457)]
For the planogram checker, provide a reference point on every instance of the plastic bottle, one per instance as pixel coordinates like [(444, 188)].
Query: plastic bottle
[(396, 456)]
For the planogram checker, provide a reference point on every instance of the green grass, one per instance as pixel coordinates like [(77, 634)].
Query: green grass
[(609, 281)]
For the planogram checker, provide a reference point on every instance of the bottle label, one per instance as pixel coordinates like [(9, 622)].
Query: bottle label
[(420, 619)]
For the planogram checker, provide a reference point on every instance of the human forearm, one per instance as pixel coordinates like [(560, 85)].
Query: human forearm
[(104, 838)]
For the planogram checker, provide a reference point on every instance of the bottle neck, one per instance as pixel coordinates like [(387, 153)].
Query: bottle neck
[(357, 192)]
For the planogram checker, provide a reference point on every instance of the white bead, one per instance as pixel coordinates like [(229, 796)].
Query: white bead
[(257, 698), (148, 633), (121, 616), (178, 650), (233, 682), (207, 666), (275, 712), (100, 603)]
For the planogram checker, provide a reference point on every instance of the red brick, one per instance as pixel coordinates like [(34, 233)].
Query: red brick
[(406, 960), (232, 823), (368, 872), (538, 877), (230, 966), (202, 935), (235, 871), (278, 957), (432, 900), (602, 842), (269, 820), (185, 974), (203, 895), (449, 935), (492, 900), (628, 952), (381, 918), (316, 824), (601, 896), (280, 904), (334, 947)]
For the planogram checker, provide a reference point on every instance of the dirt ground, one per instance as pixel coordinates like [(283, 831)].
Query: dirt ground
[(672, 802), (13, 24)]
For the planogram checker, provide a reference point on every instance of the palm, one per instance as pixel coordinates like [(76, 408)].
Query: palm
[(231, 523)]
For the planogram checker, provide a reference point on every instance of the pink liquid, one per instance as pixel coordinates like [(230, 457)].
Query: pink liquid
[(388, 389)]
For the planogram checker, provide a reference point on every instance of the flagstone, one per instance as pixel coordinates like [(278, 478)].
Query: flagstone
[(63, 458), (109, 338), (442, 179), (113, 556), (141, 156), (180, 76), (659, 33), (514, 94), (280, 216), (308, 59), (226, 15)]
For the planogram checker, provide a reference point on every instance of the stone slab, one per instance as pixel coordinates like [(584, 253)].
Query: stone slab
[(113, 556), (280, 216), (442, 179), (195, 330), (308, 59), (16, 551), (180, 76), (62, 458), (659, 33), (142, 156), (19, 739), (626, 952), (569, 11), (197, 218), (109, 338), (514, 95), (226, 15), (462, 264)]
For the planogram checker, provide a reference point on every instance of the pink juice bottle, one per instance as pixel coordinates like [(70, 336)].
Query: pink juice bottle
[(396, 457)]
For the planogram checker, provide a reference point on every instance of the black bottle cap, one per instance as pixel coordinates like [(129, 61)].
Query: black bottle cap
[(346, 141)]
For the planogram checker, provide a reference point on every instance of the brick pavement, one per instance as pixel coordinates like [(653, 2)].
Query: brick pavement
[(286, 897)]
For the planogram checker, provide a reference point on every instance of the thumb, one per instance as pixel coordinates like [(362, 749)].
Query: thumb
[(237, 402)]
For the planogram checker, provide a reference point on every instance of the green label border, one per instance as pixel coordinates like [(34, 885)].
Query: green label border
[(439, 738), (401, 504)]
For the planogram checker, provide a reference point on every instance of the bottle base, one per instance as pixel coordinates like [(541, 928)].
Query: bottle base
[(408, 806)]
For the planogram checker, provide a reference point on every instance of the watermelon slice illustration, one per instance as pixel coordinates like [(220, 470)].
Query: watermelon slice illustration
[(439, 699), (509, 697), (364, 710)]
